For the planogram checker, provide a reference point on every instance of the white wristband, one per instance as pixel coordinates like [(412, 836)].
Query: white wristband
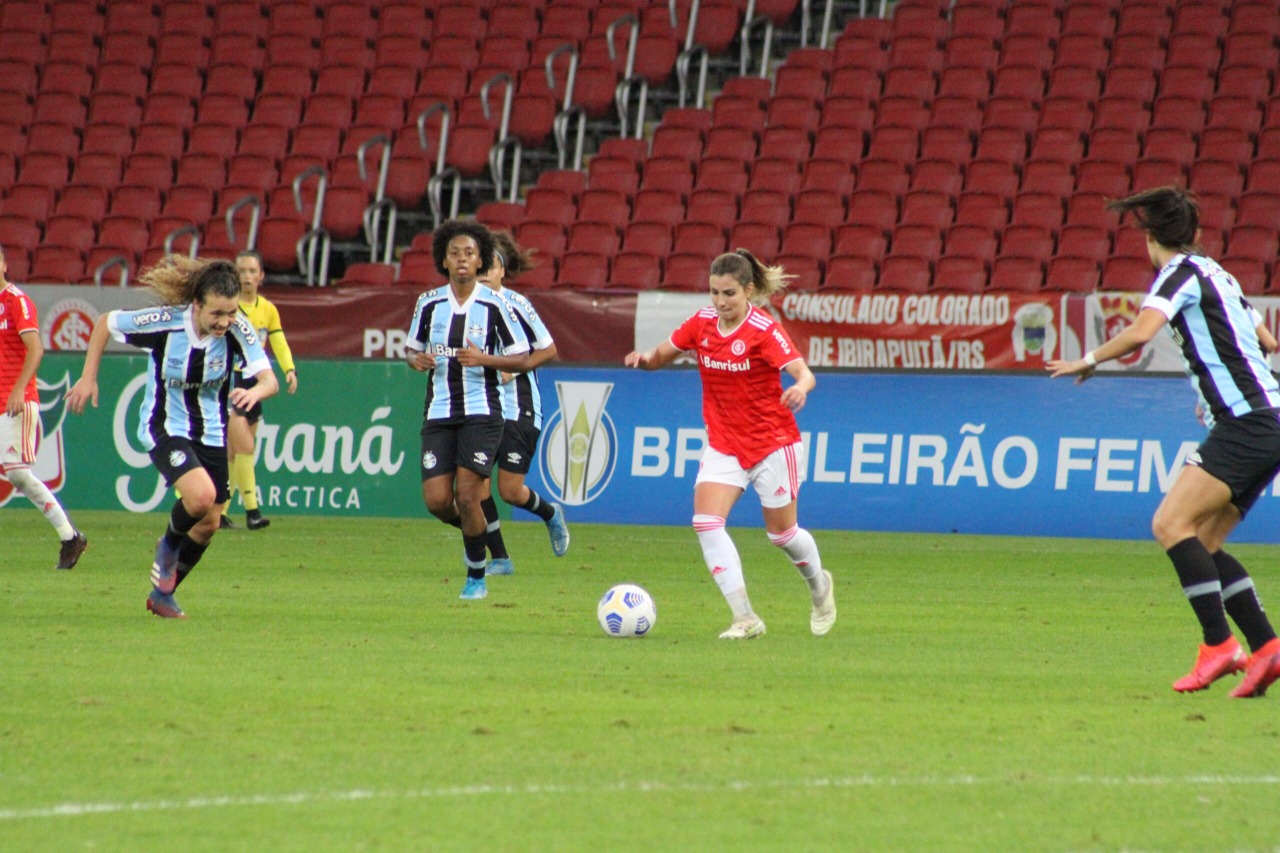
[(1090, 359)]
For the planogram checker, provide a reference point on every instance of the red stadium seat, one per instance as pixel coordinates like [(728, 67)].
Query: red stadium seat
[(960, 274), (850, 273)]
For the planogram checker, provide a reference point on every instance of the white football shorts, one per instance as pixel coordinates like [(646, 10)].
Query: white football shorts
[(18, 437), (776, 478)]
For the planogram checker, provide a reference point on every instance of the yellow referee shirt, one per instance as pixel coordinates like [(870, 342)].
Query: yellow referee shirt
[(265, 319)]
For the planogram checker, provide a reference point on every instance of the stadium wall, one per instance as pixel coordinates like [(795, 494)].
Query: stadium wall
[(890, 451)]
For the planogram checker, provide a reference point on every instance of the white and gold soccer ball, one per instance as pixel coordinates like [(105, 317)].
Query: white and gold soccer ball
[(626, 610)]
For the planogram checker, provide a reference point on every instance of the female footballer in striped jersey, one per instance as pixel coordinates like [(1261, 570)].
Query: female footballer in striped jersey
[(1205, 310), (751, 431), (455, 336), (522, 408), (193, 337)]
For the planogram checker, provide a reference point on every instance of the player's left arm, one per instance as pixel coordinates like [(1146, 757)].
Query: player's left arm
[(797, 394), (255, 364), (30, 364), (280, 349)]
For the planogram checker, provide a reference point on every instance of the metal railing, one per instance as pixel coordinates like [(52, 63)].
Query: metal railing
[(506, 142), (314, 245), (622, 94), (444, 174), (254, 204), (114, 261), (185, 231)]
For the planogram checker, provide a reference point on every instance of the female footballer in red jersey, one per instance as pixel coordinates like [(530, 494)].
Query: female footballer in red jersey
[(751, 430)]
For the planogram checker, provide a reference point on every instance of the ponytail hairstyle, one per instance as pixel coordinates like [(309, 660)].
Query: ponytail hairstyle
[(1171, 215), (181, 280), (462, 228), (747, 269), (514, 259)]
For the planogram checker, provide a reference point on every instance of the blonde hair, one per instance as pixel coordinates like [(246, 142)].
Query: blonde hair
[(180, 280), (750, 270)]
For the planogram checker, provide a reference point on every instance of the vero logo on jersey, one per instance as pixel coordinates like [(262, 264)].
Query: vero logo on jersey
[(51, 464)]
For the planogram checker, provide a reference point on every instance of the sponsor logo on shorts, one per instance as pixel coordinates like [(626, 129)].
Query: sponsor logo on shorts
[(177, 458), (481, 457), (514, 458), (428, 460), (1194, 459)]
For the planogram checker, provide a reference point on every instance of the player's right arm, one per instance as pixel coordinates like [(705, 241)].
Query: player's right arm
[(415, 344), (30, 364), (86, 388), (660, 356)]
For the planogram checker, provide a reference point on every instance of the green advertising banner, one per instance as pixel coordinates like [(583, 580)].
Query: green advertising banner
[(346, 444)]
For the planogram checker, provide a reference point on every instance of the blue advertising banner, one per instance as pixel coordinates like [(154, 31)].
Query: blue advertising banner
[(995, 454), (893, 451)]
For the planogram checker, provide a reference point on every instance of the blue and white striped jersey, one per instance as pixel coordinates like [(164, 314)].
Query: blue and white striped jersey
[(1217, 332), (187, 386), (521, 398), (442, 326)]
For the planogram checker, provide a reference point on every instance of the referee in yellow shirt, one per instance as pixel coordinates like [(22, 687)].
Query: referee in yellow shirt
[(242, 424)]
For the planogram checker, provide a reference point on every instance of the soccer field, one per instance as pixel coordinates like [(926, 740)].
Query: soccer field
[(330, 692)]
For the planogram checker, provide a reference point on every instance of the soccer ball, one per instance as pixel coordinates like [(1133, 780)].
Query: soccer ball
[(626, 610)]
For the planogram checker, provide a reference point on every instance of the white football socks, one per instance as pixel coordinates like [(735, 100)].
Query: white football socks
[(38, 493), (722, 560), (797, 543)]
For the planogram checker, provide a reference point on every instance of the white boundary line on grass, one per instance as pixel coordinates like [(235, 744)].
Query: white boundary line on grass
[(866, 781)]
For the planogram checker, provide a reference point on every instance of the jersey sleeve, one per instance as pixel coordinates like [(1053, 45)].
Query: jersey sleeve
[(145, 328), (246, 339), (275, 339), (685, 337), (26, 320), (539, 335), (777, 347), (508, 328), (1172, 292), (416, 340)]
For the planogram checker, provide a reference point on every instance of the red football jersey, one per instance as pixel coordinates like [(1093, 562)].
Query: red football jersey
[(741, 385), (17, 315)]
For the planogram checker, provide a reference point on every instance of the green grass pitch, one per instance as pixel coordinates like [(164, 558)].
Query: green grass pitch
[(330, 692)]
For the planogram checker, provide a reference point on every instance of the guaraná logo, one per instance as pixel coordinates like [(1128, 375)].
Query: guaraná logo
[(580, 443)]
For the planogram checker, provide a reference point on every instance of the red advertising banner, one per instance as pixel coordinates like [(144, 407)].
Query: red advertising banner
[(372, 322), (936, 331), (884, 331)]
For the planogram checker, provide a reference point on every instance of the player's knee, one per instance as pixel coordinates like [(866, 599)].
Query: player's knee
[(22, 479), (1168, 531), (707, 523), (783, 538), (512, 494)]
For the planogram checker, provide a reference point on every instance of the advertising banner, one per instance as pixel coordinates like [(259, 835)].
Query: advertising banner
[(345, 444), (1098, 317), (886, 451), (1018, 455)]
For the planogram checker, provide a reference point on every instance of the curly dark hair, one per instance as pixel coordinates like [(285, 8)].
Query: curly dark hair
[(461, 228)]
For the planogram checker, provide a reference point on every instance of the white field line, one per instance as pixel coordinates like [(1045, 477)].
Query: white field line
[(641, 787)]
